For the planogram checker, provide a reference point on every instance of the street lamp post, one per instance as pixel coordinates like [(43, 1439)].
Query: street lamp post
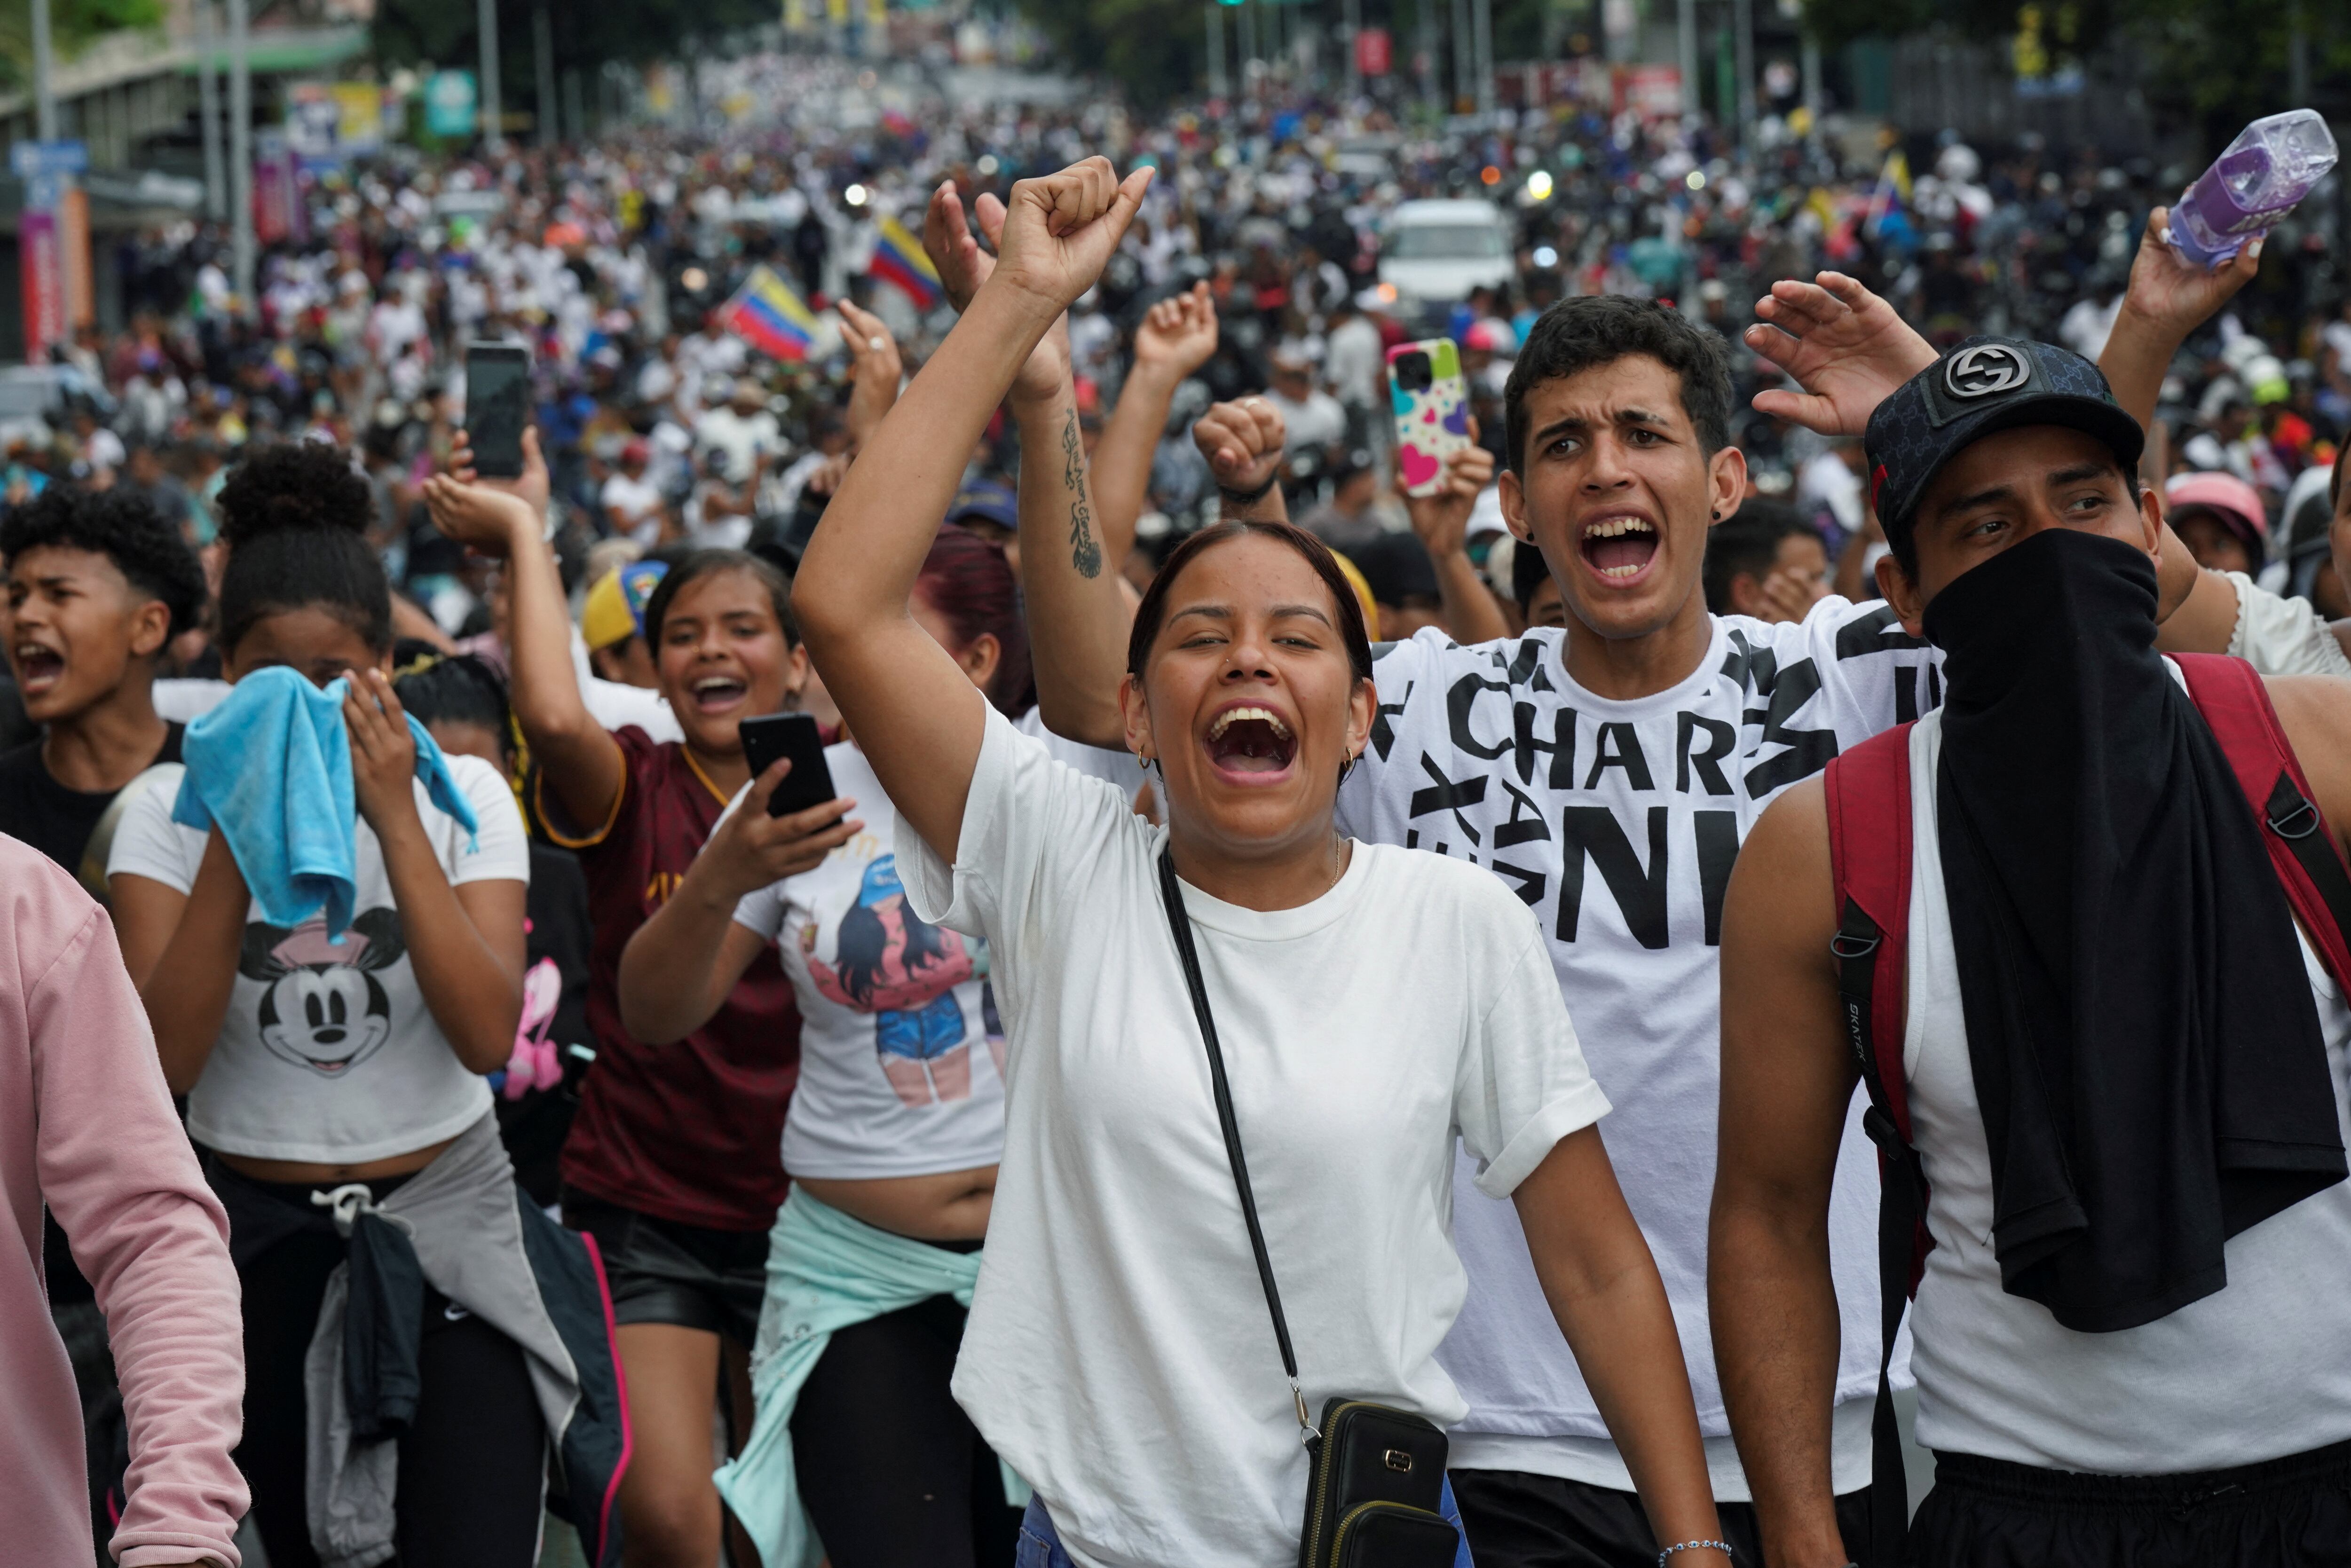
[(1246, 18), (493, 113), (542, 37), (1742, 23), (1217, 84), (240, 149), (44, 87), (208, 110), (1482, 54), (1354, 14), (1686, 50), (1464, 50)]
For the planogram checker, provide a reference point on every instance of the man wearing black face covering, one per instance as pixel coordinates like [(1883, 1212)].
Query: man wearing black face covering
[(2126, 1075)]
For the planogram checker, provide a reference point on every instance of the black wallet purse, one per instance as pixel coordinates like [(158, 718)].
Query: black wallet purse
[(1377, 1473)]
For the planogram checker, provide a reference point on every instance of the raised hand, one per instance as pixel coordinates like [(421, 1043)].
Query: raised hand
[(875, 354), (483, 514), (947, 240), (1060, 230), (384, 753), (1845, 347), (827, 477), (2172, 295), (1178, 335), (531, 486), (750, 848), (1787, 595), (1442, 521), (1243, 443)]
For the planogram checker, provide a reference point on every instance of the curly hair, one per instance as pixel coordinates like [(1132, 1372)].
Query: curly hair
[(293, 516), (1590, 330), (123, 528), (306, 485)]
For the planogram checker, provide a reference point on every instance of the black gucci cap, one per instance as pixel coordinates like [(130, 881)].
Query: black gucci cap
[(1983, 385)]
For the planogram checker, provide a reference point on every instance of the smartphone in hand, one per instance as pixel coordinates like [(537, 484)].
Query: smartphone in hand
[(1431, 401), (498, 406), (795, 735)]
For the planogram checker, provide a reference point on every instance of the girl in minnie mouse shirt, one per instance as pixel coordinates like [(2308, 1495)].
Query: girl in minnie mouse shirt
[(316, 1069)]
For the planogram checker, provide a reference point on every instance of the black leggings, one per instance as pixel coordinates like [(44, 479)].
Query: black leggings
[(473, 1464), (891, 1471)]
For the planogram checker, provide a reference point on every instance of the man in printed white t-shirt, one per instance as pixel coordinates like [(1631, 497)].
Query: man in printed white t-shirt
[(1609, 774)]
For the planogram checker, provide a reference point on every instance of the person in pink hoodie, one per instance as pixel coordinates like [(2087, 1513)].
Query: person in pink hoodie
[(86, 1127)]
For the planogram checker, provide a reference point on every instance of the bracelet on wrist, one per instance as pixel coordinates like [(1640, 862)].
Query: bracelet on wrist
[(1248, 497), (1666, 1557)]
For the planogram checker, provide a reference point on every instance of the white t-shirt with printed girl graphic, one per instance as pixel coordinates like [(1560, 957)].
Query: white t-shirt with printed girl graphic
[(328, 1053), (898, 1076)]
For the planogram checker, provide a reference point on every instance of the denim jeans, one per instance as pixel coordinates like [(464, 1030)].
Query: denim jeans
[(1041, 1548)]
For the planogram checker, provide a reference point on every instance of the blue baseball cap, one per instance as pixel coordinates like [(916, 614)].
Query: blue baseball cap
[(987, 502)]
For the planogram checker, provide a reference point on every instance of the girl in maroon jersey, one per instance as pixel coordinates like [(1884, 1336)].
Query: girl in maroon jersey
[(674, 1159)]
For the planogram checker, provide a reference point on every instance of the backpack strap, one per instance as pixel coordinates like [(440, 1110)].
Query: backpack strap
[(1869, 799), (2228, 693)]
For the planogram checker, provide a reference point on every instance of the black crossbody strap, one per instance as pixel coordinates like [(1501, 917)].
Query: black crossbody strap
[(1180, 923)]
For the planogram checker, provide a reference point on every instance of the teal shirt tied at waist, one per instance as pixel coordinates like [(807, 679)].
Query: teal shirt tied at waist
[(826, 1271)]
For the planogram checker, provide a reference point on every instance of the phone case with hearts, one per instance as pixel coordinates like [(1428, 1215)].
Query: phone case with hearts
[(1432, 421)]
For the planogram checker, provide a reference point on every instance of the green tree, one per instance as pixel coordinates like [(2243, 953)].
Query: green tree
[(2221, 63), (2215, 64), (74, 26), (1156, 49), (446, 31)]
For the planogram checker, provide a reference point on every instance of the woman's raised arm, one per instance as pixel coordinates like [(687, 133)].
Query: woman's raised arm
[(914, 713), (501, 519)]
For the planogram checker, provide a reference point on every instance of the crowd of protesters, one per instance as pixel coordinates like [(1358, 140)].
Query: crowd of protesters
[(564, 1136)]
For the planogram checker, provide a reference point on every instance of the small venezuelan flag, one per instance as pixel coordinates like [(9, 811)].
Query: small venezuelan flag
[(767, 314), (898, 258)]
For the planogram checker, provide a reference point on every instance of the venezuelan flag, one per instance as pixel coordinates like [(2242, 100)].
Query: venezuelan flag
[(767, 314), (898, 258)]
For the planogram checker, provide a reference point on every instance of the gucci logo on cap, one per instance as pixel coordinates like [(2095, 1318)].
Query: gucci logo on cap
[(1986, 368)]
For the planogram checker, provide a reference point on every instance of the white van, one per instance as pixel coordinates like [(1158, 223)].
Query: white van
[(1435, 252)]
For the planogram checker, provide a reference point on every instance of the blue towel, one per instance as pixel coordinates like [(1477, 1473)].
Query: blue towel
[(272, 766)]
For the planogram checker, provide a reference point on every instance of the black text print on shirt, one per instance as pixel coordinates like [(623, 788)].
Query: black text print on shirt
[(1655, 805)]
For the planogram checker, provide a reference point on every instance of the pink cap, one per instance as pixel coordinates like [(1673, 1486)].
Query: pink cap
[(2237, 503)]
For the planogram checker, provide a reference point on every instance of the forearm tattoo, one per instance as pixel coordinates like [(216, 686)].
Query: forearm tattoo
[(1085, 550)]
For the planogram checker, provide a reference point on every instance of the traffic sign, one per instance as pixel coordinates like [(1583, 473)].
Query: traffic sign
[(33, 160)]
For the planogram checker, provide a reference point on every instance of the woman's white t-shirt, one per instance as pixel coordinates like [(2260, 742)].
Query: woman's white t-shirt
[(328, 1053), (1119, 1354), (897, 1078)]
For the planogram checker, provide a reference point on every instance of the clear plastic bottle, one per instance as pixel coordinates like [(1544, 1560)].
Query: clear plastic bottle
[(2271, 166)]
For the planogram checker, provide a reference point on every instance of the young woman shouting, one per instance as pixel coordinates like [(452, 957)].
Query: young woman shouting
[(673, 1161), (892, 1141), (1372, 1003)]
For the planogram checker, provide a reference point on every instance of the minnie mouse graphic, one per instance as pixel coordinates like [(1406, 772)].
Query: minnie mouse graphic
[(324, 1009)]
